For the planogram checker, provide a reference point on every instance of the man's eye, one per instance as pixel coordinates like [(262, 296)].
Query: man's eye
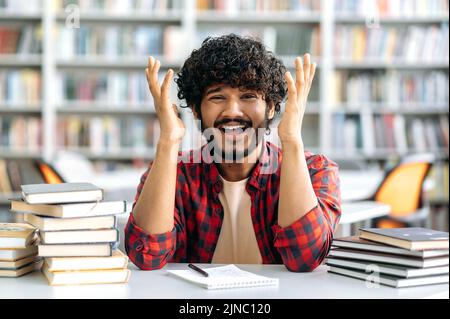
[(217, 98), (249, 96)]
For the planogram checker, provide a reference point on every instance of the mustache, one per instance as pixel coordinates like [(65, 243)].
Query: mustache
[(236, 120)]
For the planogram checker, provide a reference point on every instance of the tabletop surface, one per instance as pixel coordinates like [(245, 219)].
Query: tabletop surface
[(358, 211), (157, 284)]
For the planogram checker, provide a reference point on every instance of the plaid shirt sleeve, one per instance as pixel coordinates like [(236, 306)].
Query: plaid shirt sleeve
[(147, 251), (304, 244)]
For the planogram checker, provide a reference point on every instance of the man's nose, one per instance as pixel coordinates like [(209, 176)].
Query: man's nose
[(232, 109)]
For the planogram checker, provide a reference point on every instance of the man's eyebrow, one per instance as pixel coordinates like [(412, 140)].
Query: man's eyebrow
[(210, 91)]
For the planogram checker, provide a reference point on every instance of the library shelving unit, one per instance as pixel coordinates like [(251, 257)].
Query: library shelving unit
[(403, 110), (195, 24)]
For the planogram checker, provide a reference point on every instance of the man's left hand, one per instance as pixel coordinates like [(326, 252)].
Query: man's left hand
[(289, 129)]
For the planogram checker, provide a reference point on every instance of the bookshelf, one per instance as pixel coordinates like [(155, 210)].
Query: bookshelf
[(193, 19)]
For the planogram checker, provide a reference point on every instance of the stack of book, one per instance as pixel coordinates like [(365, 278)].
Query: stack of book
[(396, 257), (18, 249), (77, 232)]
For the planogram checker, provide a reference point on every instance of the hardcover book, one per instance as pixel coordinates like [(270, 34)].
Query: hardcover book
[(52, 224), (70, 210), (79, 236), (388, 269), (388, 258), (76, 250), (18, 253), (18, 263), (16, 235), (61, 193), (117, 260), (82, 277), (354, 242), (412, 238), (391, 281), (22, 270)]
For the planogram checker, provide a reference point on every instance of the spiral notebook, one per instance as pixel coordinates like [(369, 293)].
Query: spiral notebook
[(224, 277)]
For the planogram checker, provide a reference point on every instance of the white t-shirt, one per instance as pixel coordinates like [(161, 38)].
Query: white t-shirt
[(237, 241)]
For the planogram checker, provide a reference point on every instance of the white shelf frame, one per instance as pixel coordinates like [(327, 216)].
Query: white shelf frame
[(190, 19)]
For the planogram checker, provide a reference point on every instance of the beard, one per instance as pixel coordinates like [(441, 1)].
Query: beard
[(234, 146)]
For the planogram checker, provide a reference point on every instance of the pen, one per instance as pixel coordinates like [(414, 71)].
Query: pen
[(204, 273)]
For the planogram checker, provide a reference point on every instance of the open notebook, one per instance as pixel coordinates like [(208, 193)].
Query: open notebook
[(224, 277)]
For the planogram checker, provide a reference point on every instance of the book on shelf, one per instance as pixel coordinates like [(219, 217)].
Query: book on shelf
[(79, 236), (412, 238), (281, 39), (23, 270), (393, 8), (5, 183), (20, 133), (20, 86), (122, 6), (117, 260), (61, 193), (258, 6), (21, 6), (17, 235), (347, 133), (112, 41), (392, 90), (20, 41), (69, 210), (395, 282), (74, 223), (407, 44), (98, 135), (390, 258), (80, 277), (77, 250), (16, 172), (439, 175), (386, 269), (355, 242), (8, 254), (390, 132), (113, 89)]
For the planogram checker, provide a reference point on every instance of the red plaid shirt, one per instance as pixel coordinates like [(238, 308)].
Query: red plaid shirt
[(198, 215)]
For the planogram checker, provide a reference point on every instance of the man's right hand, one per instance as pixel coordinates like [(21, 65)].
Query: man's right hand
[(172, 127)]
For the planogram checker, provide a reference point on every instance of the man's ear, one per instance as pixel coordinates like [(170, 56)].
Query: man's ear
[(194, 111), (271, 113)]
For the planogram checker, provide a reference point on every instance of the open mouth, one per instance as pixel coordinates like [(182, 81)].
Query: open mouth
[(232, 129)]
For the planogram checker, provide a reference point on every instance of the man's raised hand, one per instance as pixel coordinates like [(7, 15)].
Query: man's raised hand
[(172, 127), (289, 129)]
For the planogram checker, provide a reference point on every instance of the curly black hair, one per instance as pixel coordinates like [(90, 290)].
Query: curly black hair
[(240, 62)]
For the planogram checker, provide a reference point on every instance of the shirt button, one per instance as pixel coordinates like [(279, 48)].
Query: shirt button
[(218, 210), (139, 245)]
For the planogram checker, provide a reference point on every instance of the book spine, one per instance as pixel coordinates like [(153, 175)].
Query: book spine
[(76, 133)]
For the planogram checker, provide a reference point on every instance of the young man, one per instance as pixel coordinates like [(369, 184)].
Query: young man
[(246, 200)]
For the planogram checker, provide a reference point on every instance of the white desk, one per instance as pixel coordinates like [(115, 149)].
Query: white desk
[(352, 212), (158, 284)]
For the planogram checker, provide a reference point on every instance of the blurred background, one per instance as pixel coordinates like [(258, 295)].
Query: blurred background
[(74, 102)]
